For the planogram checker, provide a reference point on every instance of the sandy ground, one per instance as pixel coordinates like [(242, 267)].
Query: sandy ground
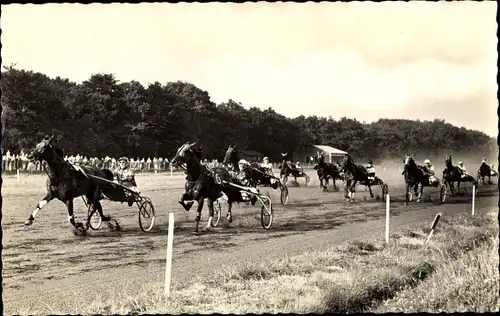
[(46, 261)]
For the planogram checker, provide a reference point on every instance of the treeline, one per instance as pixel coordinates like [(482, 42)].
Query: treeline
[(102, 116)]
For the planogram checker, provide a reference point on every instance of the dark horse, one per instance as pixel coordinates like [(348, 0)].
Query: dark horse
[(485, 171), (287, 169), (203, 182), (65, 182), (327, 171), (452, 174), (354, 173), (255, 173), (414, 175)]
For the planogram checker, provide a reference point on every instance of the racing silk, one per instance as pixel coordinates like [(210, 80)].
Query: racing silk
[(429, 170), (462, 169), (126, 178), (370, 170)]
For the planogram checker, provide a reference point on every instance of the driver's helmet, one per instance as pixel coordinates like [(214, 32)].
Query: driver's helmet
[(266, 159), (492, 166), (243, 162), (370, 162), (297, 163), (427, 162), (461, 164)]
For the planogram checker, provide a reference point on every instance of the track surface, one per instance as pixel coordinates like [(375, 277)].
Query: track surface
[(47, 261)]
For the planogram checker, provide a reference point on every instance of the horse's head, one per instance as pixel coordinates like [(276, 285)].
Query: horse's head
[(231, 156), (45, 150), (321, 158), (409, 161), (184, 154), (346, 161), (447, 160)]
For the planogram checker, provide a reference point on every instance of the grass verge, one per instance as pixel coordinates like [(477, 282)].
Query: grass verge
[(458, 271)]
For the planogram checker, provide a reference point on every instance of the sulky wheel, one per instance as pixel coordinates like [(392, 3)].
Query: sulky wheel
[(385, 191), (94, 219), (442, 195), (284, 195), (266, 212), (217, 212), (146, 215)]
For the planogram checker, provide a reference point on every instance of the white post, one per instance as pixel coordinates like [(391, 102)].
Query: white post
[(17, 175), (473, 198), (433, 227), (170, 243), (171, 171), (387, 208)]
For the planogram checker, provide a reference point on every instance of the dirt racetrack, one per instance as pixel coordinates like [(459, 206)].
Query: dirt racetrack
[(46, 261)]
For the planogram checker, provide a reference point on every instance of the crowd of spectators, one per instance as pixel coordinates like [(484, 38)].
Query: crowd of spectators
[(14, 162)]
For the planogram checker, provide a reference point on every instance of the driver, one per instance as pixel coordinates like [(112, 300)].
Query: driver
[(462, 169), (267, 166), (241, 175), (429, 171), (125, 176), (370, 169)]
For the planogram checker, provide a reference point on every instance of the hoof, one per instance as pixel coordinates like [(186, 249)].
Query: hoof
[(229, 218), (106, 218), (206, 229), (418, 200), (130, 203), (28, 222)]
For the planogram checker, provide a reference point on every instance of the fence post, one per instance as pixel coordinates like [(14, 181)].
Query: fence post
[(171, 171), (433, 227), (18, 175), (170, 242), (473, 198), (387, 214)]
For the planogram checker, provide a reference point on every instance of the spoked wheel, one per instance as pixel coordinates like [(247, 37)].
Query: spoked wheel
[(284, 195), (385, 191), (217, 212), (442, 195), (94, 219), (146, 214), (266, 212)]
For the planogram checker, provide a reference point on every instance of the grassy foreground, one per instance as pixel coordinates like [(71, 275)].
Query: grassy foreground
[(457, 272)]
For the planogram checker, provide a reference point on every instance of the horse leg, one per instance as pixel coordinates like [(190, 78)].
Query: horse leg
[(98, 206), (210, 204), (347, 193), (458, 188), (198, 213), (46, 199), (186, 205), (353, 190), (370, 189), (408, 198), (71, 217), (419, 193), (229, 217)]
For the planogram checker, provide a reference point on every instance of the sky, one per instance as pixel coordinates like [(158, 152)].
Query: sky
[(366, 60)]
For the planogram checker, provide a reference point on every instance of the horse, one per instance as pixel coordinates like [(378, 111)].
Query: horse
[(452, 174), (255, 173), (326, 170), (485, 171), (414, 175), (204, 183), (352, 174), (65, 182)]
